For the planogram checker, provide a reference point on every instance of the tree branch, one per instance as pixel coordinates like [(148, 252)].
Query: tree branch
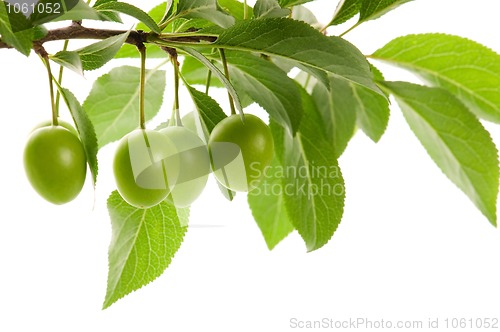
[(77, 31)]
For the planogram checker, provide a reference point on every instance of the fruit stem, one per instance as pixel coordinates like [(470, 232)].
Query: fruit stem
[(142, 120), (245, 10), (209, 79), (46, 60), (349, 30), (176, 117), (60, 77), (226, 73)]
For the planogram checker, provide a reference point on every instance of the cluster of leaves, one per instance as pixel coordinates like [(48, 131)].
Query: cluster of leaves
[(312, 115)]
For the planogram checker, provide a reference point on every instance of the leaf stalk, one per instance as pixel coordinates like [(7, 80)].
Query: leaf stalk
[(45, 59), (142, 117), (226, 73)]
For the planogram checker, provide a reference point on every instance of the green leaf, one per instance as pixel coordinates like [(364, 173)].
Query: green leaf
[(267, 85), (153, 51), (143, 243), (210, 113), (208, 109), (194, 72), (128, 9), (373, 9), (72, 10), (206, 9), (216, 71), (372, 112), (170, 12), (338, 114), (269, 8), (344, 105), (367, 9), (345, 10), (291, 3), (304, 44), (377, 74), (454, 139), (15, 29), (319, 74), (156, 13), (189, 25), (39, 32), (313, 183), (68, 59), (113, 102), (92, 56), (306, 81), (235, 8), (301, 13), (267, 203), (101, 2), (85, 129), (98, 54), (112, 16), (50, 10), (469, 70)]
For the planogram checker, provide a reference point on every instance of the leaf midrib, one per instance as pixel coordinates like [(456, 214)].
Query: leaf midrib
[(313, 202), (102, 46)]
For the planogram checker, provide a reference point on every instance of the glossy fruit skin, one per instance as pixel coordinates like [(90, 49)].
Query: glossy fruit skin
[(138, 168), (187, 165), (55, 163), (60, 122), (240, 151)]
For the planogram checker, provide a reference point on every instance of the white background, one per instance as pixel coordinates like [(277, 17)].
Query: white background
[(411, 246)]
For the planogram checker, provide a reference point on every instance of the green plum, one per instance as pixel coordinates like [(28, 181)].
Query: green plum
[(138, 168), (55, 163), (187, 165), (240, 151), (60, 122)]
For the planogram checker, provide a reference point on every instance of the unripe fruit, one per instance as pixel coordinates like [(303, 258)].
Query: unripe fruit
[(55, 163), (240, 151), (192, 122), (187, 165), (61, 123), (138, 168), (189, 121)]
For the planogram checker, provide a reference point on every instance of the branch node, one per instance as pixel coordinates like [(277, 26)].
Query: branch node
[(172, 52), (40, 50)]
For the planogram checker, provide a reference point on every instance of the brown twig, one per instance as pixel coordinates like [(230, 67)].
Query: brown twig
[(135, 37)]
